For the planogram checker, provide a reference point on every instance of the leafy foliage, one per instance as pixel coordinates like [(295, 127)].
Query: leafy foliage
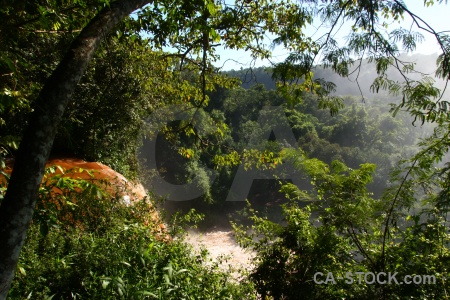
[(107, 250), (340, 230)]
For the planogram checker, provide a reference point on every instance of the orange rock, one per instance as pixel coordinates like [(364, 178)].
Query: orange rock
[(112, 182)]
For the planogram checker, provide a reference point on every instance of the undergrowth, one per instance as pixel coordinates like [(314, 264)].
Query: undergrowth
[(87, 245)]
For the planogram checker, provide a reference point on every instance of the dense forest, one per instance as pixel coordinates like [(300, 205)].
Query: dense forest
[(332, 166), (364, 130)]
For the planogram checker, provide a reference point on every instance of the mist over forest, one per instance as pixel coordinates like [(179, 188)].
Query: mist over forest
[(348, 86), (363, 131)]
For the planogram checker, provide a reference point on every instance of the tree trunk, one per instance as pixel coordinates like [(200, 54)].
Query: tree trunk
[(16, 210)]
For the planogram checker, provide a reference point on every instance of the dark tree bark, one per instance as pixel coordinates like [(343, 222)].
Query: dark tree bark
[(16, 210)]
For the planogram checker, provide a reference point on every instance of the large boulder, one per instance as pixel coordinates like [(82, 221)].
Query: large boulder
[(110, 181)]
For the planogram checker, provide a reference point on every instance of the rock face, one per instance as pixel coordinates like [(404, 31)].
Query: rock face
[(112, 182)]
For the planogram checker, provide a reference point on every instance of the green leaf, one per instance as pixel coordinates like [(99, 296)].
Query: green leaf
[(211, 7), (214, 35)]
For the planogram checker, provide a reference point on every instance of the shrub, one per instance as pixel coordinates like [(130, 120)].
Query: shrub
[(105, 251)]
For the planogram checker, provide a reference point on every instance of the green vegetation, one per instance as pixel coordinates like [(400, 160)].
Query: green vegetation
[(342, 230), (361, 132), (80, 77), (89, 246)]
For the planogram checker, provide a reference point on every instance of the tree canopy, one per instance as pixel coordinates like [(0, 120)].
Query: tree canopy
[(80, 76)]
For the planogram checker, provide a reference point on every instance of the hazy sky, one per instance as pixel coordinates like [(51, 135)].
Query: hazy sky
[(437, 16)]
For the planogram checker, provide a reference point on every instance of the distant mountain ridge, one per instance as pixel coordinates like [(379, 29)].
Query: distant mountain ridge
[(344, 85)]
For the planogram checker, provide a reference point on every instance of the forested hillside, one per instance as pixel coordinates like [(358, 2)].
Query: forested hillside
[(357, 84), (362, 131), (332, 166)]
